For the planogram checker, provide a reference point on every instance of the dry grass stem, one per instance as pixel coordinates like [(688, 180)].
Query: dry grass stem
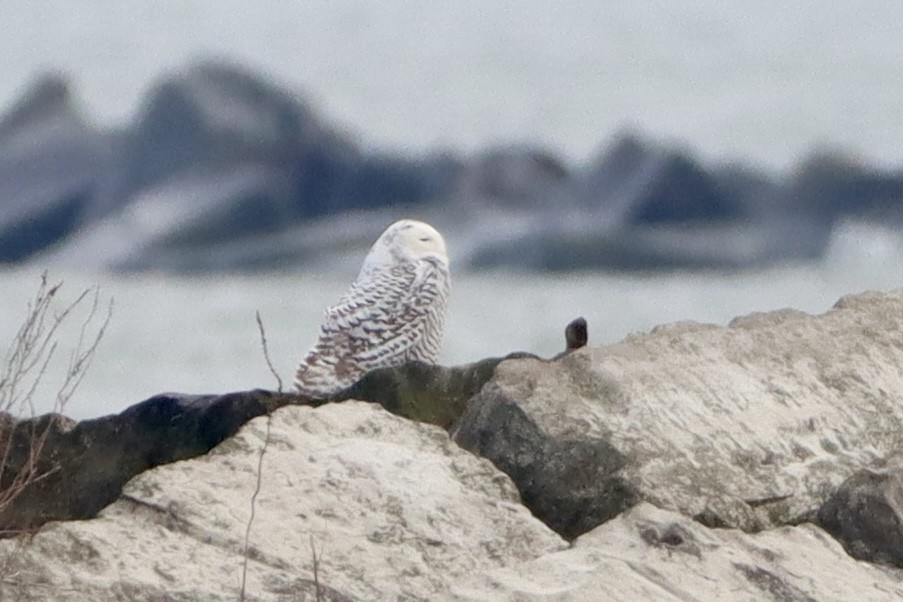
[(266, 350)]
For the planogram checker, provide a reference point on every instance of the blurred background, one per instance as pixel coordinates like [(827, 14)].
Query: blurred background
[(632, 163)]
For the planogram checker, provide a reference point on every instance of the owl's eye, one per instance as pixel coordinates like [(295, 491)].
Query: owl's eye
[(425, 239)]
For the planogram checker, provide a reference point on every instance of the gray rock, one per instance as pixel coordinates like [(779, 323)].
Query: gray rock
[(653, 554), (751, 426), (866, 514)]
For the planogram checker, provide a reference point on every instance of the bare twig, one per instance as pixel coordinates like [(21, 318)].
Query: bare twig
[(315, 559), (244, 566), (266, 351), (27, 364)]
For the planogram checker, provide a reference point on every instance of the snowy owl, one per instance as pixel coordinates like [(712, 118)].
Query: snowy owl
[(394, 312)]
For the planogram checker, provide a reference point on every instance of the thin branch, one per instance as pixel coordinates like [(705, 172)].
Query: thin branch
[(244, 567), (81, 357), (266, 351)]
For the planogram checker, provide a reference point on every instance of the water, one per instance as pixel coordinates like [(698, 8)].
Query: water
[(199, 334), (761, 82)]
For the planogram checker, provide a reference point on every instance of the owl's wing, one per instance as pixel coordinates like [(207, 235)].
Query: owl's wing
[(374, 324)]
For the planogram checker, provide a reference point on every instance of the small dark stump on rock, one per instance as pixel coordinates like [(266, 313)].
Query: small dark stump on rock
[(576, 335)]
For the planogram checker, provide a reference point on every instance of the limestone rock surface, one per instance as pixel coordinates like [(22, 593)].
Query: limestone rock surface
[(384, 508)]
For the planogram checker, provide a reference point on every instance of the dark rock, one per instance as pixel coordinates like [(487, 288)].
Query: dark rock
[(214, 120), (83, 466), (572, 485), (51, 164), (223, 160), (759, 194), (383, 181), (215, 114), (648, 184), (576, 334), (424, 392), (829, 186), (512, 175), (866, 515), (47, 100), (646, 206)]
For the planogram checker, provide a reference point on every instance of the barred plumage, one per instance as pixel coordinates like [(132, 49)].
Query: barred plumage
[(394, 312)]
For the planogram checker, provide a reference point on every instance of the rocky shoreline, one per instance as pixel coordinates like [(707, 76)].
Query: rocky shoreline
[(754, 461), (223, 170)]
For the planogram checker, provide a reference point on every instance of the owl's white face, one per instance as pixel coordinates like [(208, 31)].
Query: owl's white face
[(406, 240)]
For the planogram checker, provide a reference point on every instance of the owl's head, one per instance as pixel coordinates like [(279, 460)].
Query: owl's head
[(407, 240)]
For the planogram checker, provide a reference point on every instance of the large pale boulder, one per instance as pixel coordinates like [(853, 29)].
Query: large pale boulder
[(653, 554), (752, 425), (364, 504)]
